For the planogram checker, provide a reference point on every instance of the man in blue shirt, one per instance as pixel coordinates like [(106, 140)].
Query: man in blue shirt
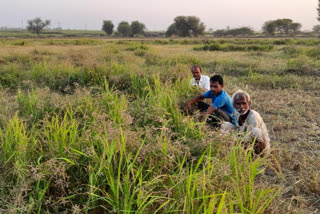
[(221, 108)]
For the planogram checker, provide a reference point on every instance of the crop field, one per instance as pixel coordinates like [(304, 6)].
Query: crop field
[(96, 126), (18, 33)]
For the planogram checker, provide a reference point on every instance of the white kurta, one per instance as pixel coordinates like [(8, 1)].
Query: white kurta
[(204, 82), (254, 125)]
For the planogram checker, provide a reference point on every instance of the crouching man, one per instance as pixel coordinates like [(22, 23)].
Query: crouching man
[(221, 108), (250, 122), (199, 80)]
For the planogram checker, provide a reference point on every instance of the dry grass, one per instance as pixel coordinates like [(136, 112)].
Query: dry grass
[(106, 95)]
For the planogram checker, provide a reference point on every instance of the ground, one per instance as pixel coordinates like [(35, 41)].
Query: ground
[(93, 125)]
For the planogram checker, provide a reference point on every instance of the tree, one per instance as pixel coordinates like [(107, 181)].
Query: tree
[(269, 28), (287, 26), (181, 26), (171, 30), (107, 27), (281, 26), (36, 25), (137, 28), (220, 33), (316, 29), (318, 9), (294, 27), (124, 29), (196, 27), (186, 26)]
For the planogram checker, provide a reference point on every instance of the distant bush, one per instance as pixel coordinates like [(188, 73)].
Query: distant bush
[(307, 42), (107, 26), (74, 42), (292, 51), (36, 25), (124, 29), (21, 43), (137, 29), (215, 46), (301, 65), (282, 42), (137, 46), (161, 42), (154, 34), (234, 32)]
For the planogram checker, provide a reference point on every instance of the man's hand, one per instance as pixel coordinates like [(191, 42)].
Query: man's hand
[(194, 100), (187, 107)]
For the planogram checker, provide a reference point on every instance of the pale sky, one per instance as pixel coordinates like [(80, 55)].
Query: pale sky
[(157, 14)]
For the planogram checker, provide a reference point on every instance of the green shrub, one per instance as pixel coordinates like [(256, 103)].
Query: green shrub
[(212, 47), (34, 105), (283, 42), (300, 65), (10, 76), (307, 42), (73, 42), (313, 53), (21, 43), (233, 47), (139, 47), (292, 51), (63, 78), (271, 80)]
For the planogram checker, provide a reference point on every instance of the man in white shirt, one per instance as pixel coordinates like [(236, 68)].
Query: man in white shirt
[(199, 80), (249, 122)]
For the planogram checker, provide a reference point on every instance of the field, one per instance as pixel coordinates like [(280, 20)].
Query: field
[(96, 126), (18, 33), (54, 33)]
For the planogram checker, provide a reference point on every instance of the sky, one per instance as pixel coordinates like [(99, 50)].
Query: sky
[(157, 14)]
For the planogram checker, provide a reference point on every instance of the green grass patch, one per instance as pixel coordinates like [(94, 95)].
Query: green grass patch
[(233, 47)]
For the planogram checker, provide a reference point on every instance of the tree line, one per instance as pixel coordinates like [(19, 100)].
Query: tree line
[(124, 28), (186, 26), (281, 26)]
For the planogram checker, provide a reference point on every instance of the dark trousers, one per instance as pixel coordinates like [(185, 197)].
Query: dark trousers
[(216, 117)]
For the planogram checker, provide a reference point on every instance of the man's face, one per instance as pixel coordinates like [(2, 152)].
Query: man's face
[(196, 73), (216, 88), (242, 105)]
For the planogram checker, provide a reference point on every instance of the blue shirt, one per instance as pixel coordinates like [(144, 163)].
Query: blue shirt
[(223, 102)]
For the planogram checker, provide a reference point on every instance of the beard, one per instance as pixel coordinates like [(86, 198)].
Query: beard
[(241, 111)]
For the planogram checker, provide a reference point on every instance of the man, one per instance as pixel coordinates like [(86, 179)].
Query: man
[(202, 81), (249, 121), (221, 108)]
